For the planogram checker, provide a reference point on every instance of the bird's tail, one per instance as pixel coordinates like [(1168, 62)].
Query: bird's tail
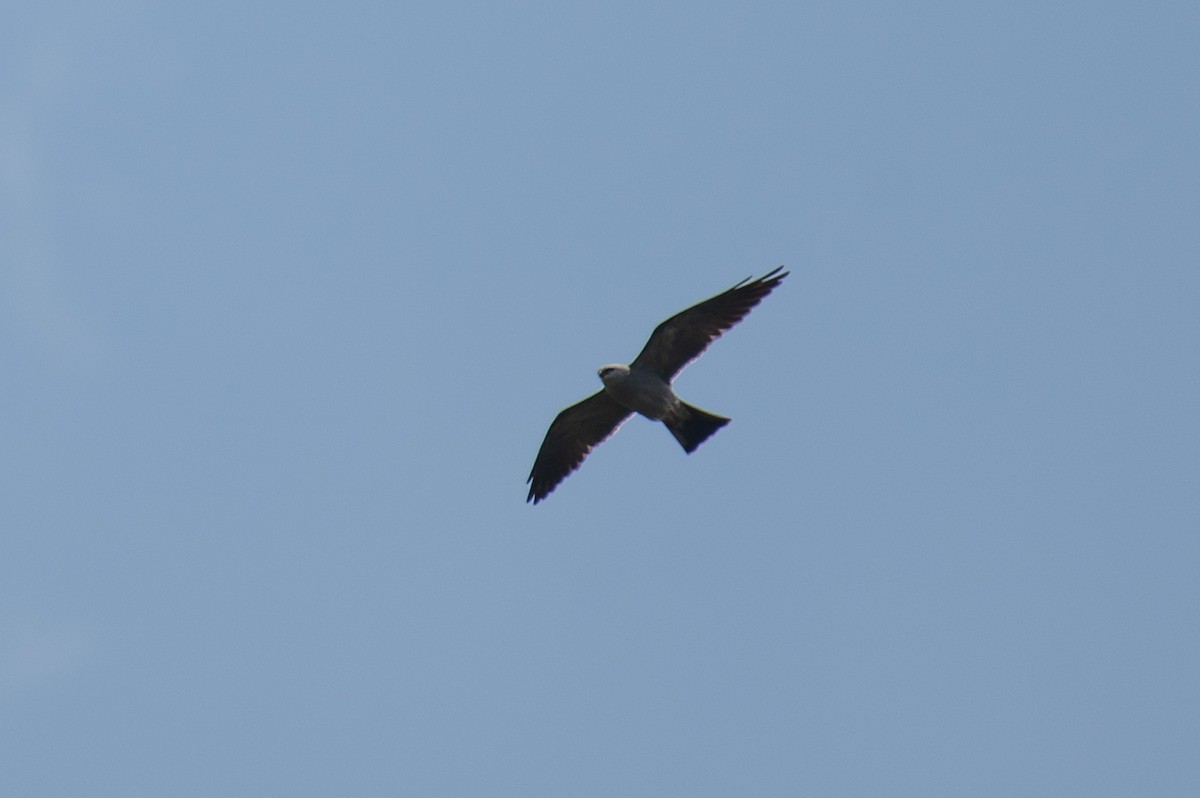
[(692, 426)]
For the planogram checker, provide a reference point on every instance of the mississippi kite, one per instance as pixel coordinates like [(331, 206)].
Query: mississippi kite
[(644, 386)]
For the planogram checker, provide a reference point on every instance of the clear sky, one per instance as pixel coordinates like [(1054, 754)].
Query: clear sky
[(289, 293)]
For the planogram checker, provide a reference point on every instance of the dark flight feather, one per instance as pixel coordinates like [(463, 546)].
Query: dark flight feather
[(574, 433), (682, 338)]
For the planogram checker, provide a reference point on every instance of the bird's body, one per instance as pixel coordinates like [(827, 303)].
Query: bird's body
[(646, 393), (644, 387), (639, 390)]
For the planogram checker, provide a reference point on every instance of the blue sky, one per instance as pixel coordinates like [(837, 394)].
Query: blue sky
[(290, 293)]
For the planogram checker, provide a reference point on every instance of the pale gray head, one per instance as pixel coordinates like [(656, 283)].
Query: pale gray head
[(613, 373)]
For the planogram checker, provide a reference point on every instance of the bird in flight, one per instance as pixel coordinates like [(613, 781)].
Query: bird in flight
[(644, 386)]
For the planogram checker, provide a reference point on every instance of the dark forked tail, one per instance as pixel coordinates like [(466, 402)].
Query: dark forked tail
[(692, 426)]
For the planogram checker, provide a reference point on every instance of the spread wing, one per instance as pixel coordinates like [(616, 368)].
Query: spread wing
[(682, 338), (574, 433)]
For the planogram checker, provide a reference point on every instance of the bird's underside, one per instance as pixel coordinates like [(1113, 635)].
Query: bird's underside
[(644, 386)]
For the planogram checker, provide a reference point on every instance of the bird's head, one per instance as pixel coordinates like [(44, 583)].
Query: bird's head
[(613, 373)]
